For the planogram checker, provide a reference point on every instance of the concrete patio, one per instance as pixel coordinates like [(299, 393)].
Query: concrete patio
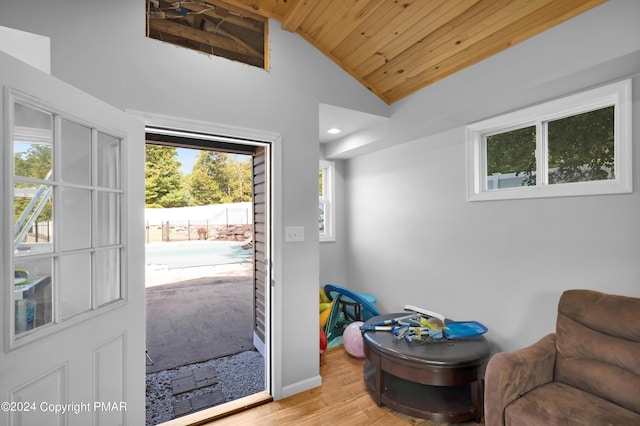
[(199, 339), (199, 317)]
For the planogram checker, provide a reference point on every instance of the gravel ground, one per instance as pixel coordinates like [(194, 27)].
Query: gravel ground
[(236, 376)]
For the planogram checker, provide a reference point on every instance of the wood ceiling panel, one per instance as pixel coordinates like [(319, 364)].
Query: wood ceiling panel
[(296, 12), (526, 27), (317, 19), (477, 23), (338, 21), (366, 29), (427, 20), (396, 47)]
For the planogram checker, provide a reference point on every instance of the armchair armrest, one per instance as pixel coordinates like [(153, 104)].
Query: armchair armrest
[(510, 375)]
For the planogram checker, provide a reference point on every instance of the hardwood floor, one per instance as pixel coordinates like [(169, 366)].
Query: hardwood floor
[(342, 399)]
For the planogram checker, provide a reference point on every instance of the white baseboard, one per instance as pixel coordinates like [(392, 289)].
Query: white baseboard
[(310, 383)]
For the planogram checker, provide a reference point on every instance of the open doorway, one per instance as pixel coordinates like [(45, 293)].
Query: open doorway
[(206, 273)]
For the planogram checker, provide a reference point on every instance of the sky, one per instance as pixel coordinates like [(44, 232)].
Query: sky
[(187, 157)]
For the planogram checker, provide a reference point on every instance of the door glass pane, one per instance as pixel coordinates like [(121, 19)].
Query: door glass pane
[(32, 294), (75, 284), (108, 161), (76, 153), (107, 276), (511, 159), (581, 147), (108, 221), (32, 142), (33, 160), (32, 218), (75, 218), (67, 179), (30, 117)]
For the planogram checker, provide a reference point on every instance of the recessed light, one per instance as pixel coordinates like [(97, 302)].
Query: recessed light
[(334, 131)]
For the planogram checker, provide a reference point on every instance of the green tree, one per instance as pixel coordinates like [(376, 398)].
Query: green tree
[(580, 148), (239, 182), (208, 179), (218, 177), (35, 162), (512, 152), (163, 178)]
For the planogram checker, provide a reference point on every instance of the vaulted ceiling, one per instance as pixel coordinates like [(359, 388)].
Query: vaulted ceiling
[(393, 47), (397, 47)]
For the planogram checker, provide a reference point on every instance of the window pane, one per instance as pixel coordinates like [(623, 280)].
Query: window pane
[(107, 276), (32, 218), (75, 218), (108, 161), (581, 147), (321, 219), (75, 284), (76, 153), (511, 159), (108, 226), (32, 294)]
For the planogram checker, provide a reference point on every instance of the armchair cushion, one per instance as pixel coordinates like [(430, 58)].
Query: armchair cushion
[(557, 404)]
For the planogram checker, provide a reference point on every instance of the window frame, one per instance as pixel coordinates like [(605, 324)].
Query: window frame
[(617, 94), (327, 198)]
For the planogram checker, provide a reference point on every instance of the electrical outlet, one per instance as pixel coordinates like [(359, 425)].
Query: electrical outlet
[(293, 233)]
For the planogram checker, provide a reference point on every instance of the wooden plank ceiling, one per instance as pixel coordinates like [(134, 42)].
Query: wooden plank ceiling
[(397, 47)]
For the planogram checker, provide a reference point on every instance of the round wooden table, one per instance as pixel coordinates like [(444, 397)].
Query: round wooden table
[(440, 381)]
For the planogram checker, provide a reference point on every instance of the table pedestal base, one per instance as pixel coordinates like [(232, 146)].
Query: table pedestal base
[(445, 404)]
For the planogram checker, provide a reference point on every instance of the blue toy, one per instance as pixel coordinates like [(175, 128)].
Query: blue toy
[(347, 307)]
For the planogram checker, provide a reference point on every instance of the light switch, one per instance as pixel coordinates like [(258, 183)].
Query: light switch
[(293, 233)]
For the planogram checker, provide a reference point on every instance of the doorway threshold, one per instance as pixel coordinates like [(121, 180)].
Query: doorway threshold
[(223, 410)]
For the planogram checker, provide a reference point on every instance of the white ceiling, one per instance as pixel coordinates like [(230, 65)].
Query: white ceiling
[(347, 120)]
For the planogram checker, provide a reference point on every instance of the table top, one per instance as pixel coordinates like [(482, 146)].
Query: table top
[(444, 353)]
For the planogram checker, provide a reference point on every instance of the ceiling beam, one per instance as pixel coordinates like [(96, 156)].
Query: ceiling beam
[(254, 6), (221, 12), (189, 33), (233, 37)]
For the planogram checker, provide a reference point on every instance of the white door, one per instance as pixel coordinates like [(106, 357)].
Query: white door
[(71, 255)]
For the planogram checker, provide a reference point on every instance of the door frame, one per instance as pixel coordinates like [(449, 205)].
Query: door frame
[(273, 340)]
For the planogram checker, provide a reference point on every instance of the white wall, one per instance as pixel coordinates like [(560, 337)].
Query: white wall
[(31, 48), (413, 237), (100, 47), (452, 265)]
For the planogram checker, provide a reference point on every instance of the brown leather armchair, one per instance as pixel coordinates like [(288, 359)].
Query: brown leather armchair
[(586, 373)]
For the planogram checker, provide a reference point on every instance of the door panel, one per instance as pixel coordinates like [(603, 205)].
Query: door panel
[(260, 244), (84, 363)]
